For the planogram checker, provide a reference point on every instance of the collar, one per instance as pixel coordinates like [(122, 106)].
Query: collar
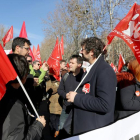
[(90, 66)]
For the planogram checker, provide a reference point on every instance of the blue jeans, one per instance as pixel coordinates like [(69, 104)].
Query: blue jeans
[(63, 118)]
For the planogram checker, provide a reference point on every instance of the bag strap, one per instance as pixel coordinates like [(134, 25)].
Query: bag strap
[(65, 77)]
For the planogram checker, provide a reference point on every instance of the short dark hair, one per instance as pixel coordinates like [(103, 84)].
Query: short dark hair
[(61, 61), (19, 41), (20, 65), (78, 57), (93, 43), (34, 62)]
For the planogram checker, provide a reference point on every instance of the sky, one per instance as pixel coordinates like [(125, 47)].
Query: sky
[(14, 12)]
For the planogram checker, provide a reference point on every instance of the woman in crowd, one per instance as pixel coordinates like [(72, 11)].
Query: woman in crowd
[(128, 92), (15, 121)]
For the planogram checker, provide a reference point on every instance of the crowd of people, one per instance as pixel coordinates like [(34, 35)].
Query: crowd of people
[(83, 100)]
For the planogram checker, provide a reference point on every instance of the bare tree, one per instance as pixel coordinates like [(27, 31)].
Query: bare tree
[(77, 18)]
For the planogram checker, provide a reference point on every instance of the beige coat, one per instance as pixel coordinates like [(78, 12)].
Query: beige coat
[(54, 106)]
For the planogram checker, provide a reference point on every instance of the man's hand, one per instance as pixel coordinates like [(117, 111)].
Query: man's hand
[(70, 96), (36, 82), (42, 120), (45, 66)]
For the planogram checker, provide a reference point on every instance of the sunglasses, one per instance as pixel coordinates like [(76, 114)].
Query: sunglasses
[(29, 60)]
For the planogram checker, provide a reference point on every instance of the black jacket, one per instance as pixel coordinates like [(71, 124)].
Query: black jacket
[(68, 85), (95, 109), (14, 119), (127, 103)]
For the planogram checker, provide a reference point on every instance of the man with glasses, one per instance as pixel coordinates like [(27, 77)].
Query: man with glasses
[(38, 72), (36, 66), (21, 46), (94, 101), (39, 75)]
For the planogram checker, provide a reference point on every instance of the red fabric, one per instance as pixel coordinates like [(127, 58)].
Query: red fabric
[(38, 56), (68, 65), (54, 61), (113, 66), (128, 30), (8, 36), (62, 46), (34, 51), (120, 63), (23, 32), (31, 54), (86, 88), (7, 72)]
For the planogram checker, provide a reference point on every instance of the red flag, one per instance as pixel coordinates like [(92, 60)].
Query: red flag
[(113, 66), (68, 65), (38, 56), (54, 61), (8, 36), (31, 54), (7, 72), (34, 51), (128, 29), (23, 32), (62, 46), (120, 63)]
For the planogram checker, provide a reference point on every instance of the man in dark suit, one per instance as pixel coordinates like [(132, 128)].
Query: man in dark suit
[(94, 101)]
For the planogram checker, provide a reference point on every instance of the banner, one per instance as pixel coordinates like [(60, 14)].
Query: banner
[(125, 129), (128, 29)]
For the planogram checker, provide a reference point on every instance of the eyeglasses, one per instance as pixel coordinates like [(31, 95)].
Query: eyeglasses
[(29, 60), (26, 48)]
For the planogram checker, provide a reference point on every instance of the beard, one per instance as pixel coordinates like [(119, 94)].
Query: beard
[(84, 59)]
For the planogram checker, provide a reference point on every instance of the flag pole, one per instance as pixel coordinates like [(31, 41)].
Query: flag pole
[(87, 73), (27, 96)]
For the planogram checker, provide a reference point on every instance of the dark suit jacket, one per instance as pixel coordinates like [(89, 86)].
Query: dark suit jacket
[(96, 108)]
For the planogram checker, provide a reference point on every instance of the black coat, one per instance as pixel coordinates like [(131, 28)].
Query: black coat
[(68, 85), (96, 108), (14, 119), (127, 103)]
